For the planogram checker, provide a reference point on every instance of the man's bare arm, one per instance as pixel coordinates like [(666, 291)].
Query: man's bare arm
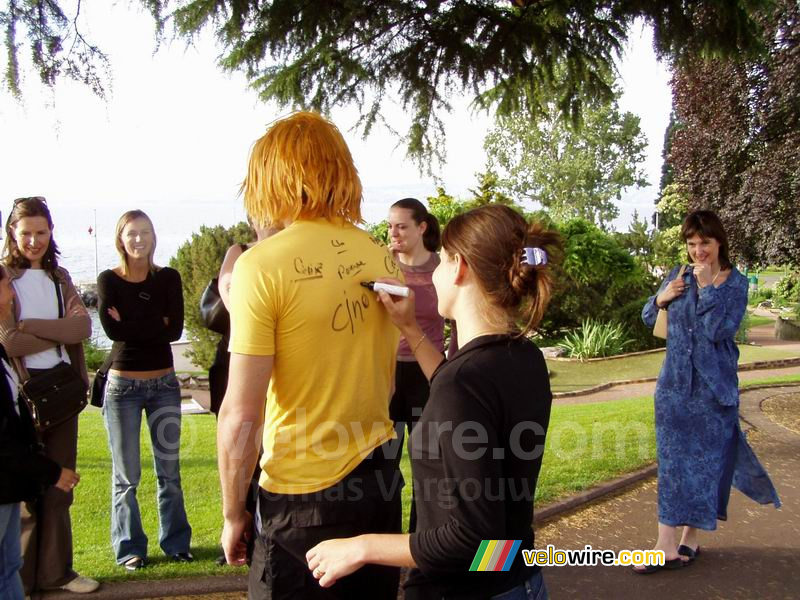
[(241, 420)]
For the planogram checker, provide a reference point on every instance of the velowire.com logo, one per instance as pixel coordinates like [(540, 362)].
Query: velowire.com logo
[(495, 555)]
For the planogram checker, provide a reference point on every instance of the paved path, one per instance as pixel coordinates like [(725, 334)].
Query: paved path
[(754, 555), (764, 335)]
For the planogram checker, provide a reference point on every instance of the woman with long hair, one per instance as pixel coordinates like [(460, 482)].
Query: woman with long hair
[(701, 448), (414, 240), (38, 337), (141, 309), (25, 473), (479, 442)]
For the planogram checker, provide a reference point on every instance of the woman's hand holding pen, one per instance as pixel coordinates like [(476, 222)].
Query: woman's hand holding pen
[(400, 309)]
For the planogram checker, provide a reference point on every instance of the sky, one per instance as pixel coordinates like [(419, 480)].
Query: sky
[(175, 128)]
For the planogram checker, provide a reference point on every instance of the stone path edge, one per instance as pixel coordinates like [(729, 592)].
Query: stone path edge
[(753, 366)]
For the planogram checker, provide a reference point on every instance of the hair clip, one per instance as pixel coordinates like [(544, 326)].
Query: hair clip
[(534, 256)]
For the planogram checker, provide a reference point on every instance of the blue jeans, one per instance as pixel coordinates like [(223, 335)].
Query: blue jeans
[(160, 398), (532, 589), (10, 553)]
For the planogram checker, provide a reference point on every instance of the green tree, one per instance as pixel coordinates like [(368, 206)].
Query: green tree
[(738, 151), (667, 172), (598, 279), (444, 206), (488, 192), (380, 231), (57, 47), (638, 241), (669, 248), (365, 52), (570, 171), (198, 261)]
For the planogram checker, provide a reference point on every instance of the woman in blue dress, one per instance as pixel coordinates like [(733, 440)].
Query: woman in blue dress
[(701, 448)]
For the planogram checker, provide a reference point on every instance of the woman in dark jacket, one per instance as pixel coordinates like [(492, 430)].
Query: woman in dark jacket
[(25, 471)]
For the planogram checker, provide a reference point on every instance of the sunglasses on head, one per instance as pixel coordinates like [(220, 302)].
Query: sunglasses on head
[(41, 199)]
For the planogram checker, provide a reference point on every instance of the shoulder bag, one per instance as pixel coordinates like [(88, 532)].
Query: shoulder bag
[(213, 312), (55, 395), (660, 329), (101, 376)]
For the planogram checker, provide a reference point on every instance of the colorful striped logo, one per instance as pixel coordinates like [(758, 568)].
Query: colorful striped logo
[(495, 555)]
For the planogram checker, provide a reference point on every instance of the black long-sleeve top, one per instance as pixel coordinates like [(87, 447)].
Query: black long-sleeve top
[(142, 307), (24, 471), (476, 455)]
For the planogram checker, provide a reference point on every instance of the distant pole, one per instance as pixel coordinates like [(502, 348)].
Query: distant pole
[(96, 271)]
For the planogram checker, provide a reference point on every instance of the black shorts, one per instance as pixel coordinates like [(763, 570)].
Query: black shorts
[(366, 501)]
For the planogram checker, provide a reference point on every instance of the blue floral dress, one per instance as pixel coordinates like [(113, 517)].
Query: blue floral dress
[(702, 450)]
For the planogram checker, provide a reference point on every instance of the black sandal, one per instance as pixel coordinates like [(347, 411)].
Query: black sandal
[(688, 552), (669, 565)]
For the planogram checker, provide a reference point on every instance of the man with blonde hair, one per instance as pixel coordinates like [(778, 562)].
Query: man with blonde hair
[(301, 321)]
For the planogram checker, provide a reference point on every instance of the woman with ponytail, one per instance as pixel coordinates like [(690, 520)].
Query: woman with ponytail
[(478, 445), (414, 240)]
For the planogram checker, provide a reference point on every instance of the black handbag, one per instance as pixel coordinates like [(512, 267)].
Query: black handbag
[(213, 312), (101, 377), (54, 395)]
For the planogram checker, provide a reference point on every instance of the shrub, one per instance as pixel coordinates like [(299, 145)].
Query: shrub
[(787, 288), (380, 231), (759, 296), (198, 261), (640, 335), (94, 355), (595, 339), (598, 280), (744, 329)]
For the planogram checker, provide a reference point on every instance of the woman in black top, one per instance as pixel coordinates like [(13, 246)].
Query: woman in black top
[(141, 309), (478, 446)]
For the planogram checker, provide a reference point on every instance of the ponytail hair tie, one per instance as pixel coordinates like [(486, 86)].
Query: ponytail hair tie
[(534, 257)]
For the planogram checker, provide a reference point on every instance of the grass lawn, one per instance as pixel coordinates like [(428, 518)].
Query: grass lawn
[(767, 277), (568, 376), (756, 321), (771, 381), (586, 444), (91, 509), (591, 443)]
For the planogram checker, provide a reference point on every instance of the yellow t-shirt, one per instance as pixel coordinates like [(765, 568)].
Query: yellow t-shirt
[(297, 296)]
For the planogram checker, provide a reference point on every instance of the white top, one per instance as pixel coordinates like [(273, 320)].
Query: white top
[(36, 295), (13, 381)]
